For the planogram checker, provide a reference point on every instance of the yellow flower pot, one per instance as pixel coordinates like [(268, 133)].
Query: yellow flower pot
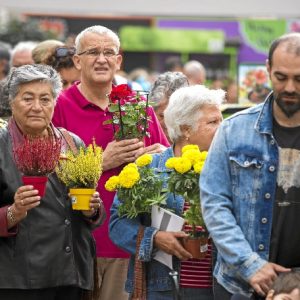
[(81, 198)]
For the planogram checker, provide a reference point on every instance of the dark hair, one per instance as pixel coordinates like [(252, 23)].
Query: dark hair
[(173, 62), (4, 51), (61, 58), (293, 41), (5, 56), (286, 283)]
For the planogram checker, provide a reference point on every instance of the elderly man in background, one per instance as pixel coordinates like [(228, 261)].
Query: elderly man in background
[(21, 54), (195, 72), (83, 109), (250, 183)]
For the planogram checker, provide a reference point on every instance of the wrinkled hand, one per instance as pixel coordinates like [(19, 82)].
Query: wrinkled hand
[(118, 153), (167, 241), (95, 205), (155, 148), (25, 199), (263, 279)]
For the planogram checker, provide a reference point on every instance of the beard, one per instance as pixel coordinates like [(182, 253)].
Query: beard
[(289, 108)]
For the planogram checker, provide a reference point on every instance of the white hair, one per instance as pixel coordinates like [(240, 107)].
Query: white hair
[(23, 46), (100, 30), (185, 105)]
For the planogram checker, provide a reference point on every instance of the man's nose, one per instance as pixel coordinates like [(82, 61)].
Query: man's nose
[(290, 86), (101, 57)]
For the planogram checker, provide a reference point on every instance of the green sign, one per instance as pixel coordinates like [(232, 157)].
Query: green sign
[(137, 38), (259, 34)]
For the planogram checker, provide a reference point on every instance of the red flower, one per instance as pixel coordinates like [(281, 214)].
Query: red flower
[(37, 156), (129, 112), (120, 92)]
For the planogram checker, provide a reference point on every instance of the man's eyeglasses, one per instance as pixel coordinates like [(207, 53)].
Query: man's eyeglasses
[(64, 51), (108, 53)]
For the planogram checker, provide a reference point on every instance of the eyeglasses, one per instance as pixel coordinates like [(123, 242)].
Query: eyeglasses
[(64, 51), (108, 53)]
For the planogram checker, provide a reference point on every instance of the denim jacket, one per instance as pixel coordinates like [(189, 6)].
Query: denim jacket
[(123, 232), (238, 186)]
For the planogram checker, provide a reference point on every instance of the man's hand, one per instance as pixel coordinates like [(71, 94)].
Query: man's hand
[(167, 241), (118, 153), (155, 148), (263, 279)]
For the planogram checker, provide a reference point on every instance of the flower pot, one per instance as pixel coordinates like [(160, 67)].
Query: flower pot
[(81, 198), (197, 246), (38, 182)]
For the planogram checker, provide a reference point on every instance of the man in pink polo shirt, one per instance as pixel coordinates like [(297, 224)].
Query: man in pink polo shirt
[(82, 109)]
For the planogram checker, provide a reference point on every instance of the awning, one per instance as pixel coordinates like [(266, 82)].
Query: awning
[(149, 39)]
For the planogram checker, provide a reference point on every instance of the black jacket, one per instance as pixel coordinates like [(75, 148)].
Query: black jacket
[(54, 245)]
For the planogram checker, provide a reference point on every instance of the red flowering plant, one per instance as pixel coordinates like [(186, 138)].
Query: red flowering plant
[(37, 156), (129, 112)]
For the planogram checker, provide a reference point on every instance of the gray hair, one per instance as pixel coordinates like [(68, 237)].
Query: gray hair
[(100, 30), (165, 85), (184, 105), (30, 73), (23, 46)]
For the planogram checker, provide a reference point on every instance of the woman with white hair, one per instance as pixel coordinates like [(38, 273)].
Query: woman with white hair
[(192, 117)]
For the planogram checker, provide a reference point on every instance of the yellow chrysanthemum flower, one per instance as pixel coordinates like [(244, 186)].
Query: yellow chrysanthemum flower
[(112, 183), (203, 155), (128, 177), (193, 155), (189, 147), (198, 167), (130, 165), (170, 162), (144, 160), (182, 165)]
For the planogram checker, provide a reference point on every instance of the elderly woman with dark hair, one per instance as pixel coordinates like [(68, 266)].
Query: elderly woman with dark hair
[(163, 87), (192, 117), (46, 249)]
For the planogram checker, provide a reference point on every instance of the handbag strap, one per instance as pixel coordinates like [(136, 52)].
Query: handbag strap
[(139, 292), (69, 140)]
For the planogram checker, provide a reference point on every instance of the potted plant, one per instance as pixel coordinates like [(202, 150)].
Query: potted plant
[(138, 188), (36, 157), (184, 181), (129, 112), (81, 172)]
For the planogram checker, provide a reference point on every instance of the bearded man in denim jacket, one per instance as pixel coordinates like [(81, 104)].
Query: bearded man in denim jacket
[(250, 186)]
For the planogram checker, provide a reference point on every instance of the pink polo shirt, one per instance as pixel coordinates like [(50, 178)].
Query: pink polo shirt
[(78, 115)]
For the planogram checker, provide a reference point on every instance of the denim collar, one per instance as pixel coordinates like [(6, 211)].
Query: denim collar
[(264, 123), (164, 156)]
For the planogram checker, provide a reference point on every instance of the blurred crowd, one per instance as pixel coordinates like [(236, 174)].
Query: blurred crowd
[(59, 55), (249, 187)]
